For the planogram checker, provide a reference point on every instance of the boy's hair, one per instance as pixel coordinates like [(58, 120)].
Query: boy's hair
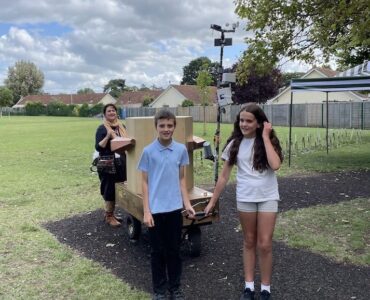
[(260, 162), (164, 114)]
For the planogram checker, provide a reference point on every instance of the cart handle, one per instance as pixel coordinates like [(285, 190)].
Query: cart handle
[(200, 215)]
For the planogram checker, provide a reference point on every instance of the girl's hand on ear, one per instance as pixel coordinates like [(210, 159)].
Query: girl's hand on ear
[(267, 128)]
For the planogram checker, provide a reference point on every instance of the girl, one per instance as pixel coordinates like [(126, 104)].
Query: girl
[(255, 149)]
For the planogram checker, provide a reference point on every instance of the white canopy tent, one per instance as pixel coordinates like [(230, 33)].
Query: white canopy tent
[(361, 82), (360, 70)]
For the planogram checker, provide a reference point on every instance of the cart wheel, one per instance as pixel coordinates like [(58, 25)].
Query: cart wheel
[(133, 227), (194, 237)]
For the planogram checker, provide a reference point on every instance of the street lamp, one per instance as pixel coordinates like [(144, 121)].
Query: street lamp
[(221, 42)]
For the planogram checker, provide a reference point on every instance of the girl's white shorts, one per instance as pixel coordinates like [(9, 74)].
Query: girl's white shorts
[(265, 206)]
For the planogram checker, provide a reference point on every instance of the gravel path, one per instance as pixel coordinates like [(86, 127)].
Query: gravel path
[(217, 273)]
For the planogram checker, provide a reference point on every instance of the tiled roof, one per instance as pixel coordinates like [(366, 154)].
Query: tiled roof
[(128, 98), (191, 92), (326, 71), (92, 98)]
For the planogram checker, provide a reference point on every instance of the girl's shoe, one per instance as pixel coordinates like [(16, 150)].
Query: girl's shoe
[(247, 295), (265, 295)]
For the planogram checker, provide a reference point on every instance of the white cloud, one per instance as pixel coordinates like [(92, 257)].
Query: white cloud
[(143, 41)]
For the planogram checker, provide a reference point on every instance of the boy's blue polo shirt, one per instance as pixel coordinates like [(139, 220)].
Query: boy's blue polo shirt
[(163, 167)]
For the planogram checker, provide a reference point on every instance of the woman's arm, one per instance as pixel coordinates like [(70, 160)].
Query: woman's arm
[(272, 157), (102, 138), (220, 185)]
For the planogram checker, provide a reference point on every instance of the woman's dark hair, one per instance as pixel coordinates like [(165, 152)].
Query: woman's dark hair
[(109, 105), (164, 114), (260, 162)]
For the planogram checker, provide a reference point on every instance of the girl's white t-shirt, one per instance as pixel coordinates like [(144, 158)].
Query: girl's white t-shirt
[(252, 185)]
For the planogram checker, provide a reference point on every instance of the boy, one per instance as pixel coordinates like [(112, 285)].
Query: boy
[(164, 194)]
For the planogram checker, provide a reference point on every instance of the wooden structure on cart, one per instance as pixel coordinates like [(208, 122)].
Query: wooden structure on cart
[(129, 194)]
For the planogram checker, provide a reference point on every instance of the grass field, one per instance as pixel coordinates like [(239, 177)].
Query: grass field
[(44, 176)]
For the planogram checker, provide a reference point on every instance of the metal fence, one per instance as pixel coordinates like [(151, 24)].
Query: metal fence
[(341, 114)]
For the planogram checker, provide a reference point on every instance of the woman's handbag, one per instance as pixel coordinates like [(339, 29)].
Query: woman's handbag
[(105, 164)]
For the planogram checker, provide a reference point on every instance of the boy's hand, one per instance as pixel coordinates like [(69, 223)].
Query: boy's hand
[(148, 219), (190, 211)]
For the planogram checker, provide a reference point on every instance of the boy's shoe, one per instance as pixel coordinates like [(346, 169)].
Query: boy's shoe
[(158, 296), (247, 295), (176, 295), (265, 295)]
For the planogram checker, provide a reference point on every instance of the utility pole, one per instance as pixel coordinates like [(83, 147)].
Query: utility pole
[(221, 42)]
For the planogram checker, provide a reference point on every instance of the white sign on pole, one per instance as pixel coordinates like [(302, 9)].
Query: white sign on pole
[(229, 77), (224, 96)]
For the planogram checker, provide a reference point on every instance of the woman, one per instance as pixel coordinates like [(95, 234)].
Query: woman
[(254, 148), (110, 129)]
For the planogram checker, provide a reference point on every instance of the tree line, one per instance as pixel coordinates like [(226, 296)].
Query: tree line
[(58, 108)]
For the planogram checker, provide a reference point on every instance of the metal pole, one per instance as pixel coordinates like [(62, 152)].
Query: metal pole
[(327, 123), (290, 125), (217, 133)]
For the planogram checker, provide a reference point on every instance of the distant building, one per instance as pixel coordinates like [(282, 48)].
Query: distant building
[(77, 99), (174, 95), (136, 99), (316, 97)]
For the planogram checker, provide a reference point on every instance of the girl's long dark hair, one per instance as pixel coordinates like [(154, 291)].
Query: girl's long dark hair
[(260, 162)]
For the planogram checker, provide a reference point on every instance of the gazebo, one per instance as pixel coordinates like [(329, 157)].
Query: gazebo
[(354, 79)]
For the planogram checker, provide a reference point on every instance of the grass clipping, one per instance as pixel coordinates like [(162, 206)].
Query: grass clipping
[(339, 231)]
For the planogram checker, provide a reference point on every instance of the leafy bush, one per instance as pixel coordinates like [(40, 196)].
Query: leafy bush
[(147, 101), (84, 110), (187, 103), (96, 109), (35, 109), (58, 108)]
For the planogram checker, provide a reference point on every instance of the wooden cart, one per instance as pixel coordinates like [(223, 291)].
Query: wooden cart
[(128, 194)]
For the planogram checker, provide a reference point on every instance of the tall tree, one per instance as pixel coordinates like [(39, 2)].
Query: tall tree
[(6, 96), (257, 87), (191, 71), (115, 87), (85, 91), (287, 77), (296, 30), (204, 80), (24, 78)]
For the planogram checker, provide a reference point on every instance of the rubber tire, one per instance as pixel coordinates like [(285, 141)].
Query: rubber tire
[(133, 227), (194, 238)]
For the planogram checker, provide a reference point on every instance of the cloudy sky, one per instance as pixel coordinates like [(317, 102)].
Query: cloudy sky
[(81, 43)]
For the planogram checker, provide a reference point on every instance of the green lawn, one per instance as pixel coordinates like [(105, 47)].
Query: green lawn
[(45, 176)]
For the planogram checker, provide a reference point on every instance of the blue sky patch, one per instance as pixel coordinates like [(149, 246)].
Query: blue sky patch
[(43, 29)]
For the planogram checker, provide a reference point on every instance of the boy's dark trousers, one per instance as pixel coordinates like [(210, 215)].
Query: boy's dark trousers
[(165, 241)]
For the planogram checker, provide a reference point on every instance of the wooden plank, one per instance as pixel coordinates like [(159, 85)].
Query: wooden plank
[(196, 143), (131, 203), (121, 144)]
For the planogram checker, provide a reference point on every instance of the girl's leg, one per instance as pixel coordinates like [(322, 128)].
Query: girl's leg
[(265, 229), (248, 221)]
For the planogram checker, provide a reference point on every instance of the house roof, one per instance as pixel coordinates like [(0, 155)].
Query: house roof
[(92, 98), (191, 92), (326, 71), (128, 98)]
